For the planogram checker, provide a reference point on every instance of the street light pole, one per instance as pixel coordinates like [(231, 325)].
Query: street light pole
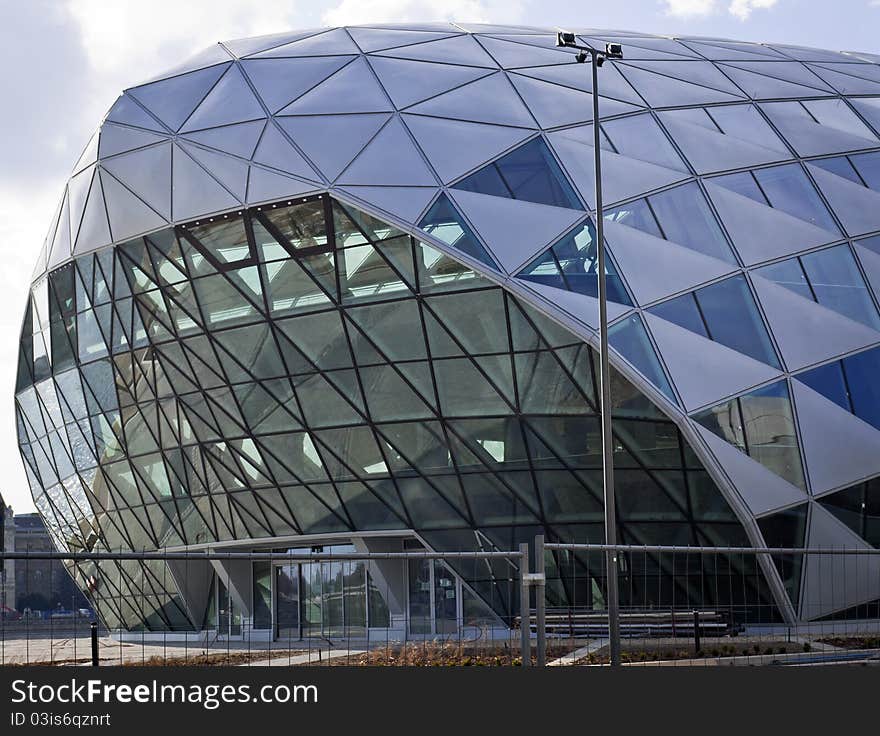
[(612, 51)]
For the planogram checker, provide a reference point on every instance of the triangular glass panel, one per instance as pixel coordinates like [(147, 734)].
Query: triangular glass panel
[(147, 173), (462, 49), (117, 139), (128, 214), (469, 103), (239, 139), (232, 173), (276, 151), (279, 81), (760, 424), (195, 192), (528, 173), (325, 43), (631, 340), (554, 105), (444, 223), (408, 82), (353, 89), (377, 39), (350, 134), (128, 112), (229, 101), (571, 264), (94, 230), (266, 185), (173, 100), (660, 90), (517, 229), (389, 159)]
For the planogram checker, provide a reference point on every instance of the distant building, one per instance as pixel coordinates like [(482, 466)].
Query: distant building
[(35, 584), (7, 567)]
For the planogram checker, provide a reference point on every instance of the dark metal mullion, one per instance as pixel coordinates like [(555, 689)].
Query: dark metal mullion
[(250, 430), (222, 266), (420, 305), (371, 424), (846, 386), (437, 414), (471, 358), (285, 243), (687, 483), (806, 276), (518, 400), (693, 295)]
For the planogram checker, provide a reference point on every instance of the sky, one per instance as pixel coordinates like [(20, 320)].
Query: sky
[(64, 62)]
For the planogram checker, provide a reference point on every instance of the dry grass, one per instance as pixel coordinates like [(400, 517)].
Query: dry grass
[(437, 654), (852, 642)]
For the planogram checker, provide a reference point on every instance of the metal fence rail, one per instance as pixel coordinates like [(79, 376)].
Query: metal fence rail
[(694, 605)]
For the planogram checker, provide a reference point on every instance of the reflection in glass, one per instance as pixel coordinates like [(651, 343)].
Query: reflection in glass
[(631, 340), (444, 223), (571, 264), (760, 424), (529, 172), (708, 312), (681, 215), (830, 277)]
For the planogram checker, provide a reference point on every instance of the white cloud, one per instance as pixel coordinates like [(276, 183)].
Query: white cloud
[(690, 8), (132, 38), (25, 216), (741, 9), (402, 11)]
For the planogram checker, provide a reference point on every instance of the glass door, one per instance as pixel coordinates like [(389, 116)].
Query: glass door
[(228, 614), (287, 602)]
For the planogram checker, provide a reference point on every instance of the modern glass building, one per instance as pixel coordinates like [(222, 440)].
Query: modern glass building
[(336, 289)]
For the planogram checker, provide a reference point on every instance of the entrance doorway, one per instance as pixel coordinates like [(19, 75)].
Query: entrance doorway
[(326, 599), (228, 614)]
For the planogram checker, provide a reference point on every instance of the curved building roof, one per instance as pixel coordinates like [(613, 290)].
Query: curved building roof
[(742, 205)]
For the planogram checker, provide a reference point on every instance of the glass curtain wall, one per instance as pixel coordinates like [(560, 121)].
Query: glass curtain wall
[(308, 369)]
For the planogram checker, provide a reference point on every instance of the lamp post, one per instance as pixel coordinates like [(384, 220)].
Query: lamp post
[(611, 51)]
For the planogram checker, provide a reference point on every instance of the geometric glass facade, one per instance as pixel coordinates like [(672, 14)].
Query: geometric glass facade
[(340, 285)]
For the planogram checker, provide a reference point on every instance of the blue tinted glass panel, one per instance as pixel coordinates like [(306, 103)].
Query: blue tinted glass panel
[(790, 275), (685, 218), (639, 136), (733, 319), (743, 183), (770, 431), (635, 214), (544, 270), (445, 224), (864, 389), (572, 261), (839, 165), (576, 253), (828, 381), (529, 173), (789, 190), (838, 284), (630, 339), (745, 122), (868, 165), (872, 243), (682, 311)]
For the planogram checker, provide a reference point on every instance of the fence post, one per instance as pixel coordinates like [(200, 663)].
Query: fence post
[(540, 590), (697, 646), (94, 634), (524, 617)]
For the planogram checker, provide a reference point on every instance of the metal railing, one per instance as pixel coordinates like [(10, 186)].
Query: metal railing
[(678, 605)]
